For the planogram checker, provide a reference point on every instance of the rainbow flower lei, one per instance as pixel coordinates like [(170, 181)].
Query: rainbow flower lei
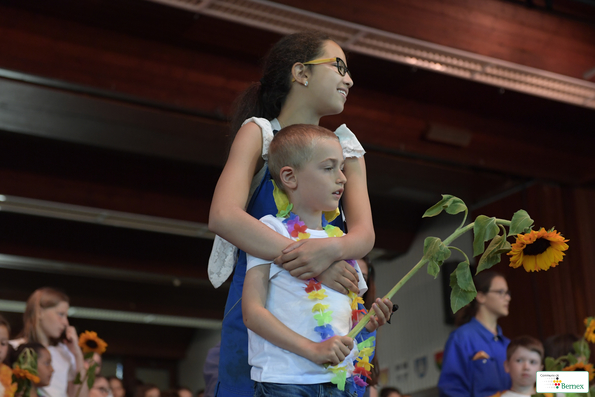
[(323, 316)]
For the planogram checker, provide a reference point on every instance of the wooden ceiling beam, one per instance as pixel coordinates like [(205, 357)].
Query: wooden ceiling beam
[(494, 28)]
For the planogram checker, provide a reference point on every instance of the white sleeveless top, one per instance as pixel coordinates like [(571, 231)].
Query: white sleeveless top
[(224, 254)]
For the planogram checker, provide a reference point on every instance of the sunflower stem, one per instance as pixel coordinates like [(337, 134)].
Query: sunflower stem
[(461, 251), (362, 323), (464, 218), (83, 382), (456, 234)]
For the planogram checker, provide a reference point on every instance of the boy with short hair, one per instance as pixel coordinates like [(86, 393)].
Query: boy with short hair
[(295, 326), (524, 357)]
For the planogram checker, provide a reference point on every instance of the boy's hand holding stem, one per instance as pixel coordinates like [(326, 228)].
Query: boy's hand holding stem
[(333, 350)]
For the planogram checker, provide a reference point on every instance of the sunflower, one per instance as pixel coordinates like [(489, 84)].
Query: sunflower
[(91, 343), (6, 384), (582, 367), (590, 332), (24, 374), (538, 250)]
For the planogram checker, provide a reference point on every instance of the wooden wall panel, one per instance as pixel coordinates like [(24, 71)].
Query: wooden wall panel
[(399, 125), (149, 68), (392, 112), (495, 28)]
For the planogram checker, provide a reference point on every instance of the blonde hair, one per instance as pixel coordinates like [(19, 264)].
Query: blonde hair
[(293, 147), (43, 298)]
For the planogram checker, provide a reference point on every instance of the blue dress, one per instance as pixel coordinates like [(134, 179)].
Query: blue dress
[(234, 370), (462, 376)]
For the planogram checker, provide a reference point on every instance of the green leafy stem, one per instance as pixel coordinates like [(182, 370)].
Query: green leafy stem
[(437, 251), (89, 375)]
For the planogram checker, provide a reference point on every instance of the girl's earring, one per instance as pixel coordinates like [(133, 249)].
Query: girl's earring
[(306, 83)]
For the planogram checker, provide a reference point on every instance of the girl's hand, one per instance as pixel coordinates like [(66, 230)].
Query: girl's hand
[(341, 277), (333, 350), (307, 259), (383, 309), (71, 340)]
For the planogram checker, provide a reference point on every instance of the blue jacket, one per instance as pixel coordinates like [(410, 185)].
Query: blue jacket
[(461, 375)]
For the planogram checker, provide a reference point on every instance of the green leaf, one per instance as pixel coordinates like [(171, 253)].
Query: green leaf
[(91, 374), (88, 355), (433, 268), (436, 253), (521, 222), (464, 277), (77, 379), (491, 257), (458, 297), (484, 230), (572, 359), (581, 348), (550, 364), (453, 205)]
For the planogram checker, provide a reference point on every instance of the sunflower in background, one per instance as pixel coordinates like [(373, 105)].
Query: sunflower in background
[(538, 250), (20, 373), (24, 372), (590, 332), (578, 358), (91, 343), (582, 367), (7, 388)]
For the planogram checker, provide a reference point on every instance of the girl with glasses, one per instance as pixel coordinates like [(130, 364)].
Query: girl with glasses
[(305, 78), (474, 355)]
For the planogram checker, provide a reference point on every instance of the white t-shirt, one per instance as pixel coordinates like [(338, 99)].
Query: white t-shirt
[(288, 302), (65, 370)]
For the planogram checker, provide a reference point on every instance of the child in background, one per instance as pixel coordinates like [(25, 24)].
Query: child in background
[(284, 313), (43, 363), (475, 353), (46, 321), (524, 357)]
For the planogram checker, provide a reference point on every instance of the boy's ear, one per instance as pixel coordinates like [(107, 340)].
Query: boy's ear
[(288, 178), (480, 297), (298, 71), (506, 367)]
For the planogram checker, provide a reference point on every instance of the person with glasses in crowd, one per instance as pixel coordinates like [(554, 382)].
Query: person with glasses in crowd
[(305, 78), (100, 387), (474, 355)]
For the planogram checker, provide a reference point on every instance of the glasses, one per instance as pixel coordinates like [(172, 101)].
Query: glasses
[(501, 292), (341, 67), (102, 390)]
